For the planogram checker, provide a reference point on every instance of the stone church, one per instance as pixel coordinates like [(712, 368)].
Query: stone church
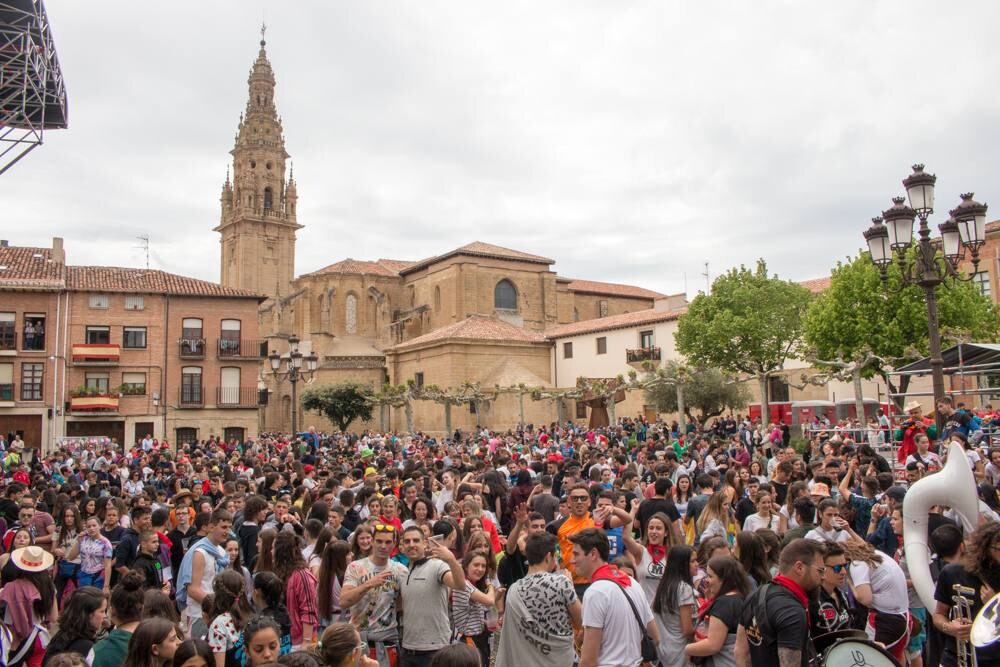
[(476, 313)]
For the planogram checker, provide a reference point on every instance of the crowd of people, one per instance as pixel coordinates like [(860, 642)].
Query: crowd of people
[(543, 546)]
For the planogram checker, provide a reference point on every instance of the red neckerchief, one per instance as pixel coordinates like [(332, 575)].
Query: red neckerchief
[(795, 590), (609, 571), (657, 551)]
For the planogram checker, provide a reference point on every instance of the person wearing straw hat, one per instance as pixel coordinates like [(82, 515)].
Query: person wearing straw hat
[(915, 423), (30, 591)]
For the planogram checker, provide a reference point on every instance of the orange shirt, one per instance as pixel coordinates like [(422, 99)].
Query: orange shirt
[(572, 526)]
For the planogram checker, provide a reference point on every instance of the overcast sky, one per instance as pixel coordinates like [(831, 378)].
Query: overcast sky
[(629, 141)]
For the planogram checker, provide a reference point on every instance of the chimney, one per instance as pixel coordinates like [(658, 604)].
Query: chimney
[(58, 254)]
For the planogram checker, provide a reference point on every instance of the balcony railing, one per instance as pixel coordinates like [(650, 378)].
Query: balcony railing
[(241, 348), (96, 403), (191, 397), (191, 348), (642, 354), (237, 397), (96, 354)]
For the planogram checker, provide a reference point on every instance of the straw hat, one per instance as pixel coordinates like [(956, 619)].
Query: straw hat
[(183, 493), (32, 559), (911, 405)]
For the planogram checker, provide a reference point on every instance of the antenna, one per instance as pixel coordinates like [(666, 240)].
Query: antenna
[(144, 246), (708, 280)]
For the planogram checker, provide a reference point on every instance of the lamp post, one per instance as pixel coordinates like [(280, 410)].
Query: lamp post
[(293, 372), (891, 236)]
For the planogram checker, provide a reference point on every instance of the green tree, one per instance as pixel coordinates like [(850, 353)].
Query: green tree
[(341, 403), (859, 318), (707, 390), (749, 324)]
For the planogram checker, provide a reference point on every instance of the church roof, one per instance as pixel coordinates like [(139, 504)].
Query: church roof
[(623, 321), (29, 268), (816, 285), (396, 265), (146, 281), (480, 249), (611, 289), (358, 267), (476, 328)]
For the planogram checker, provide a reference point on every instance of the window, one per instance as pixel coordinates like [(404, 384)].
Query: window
[(135, 302), (581, 410), (418, 380), (229, 338), (777, 389), (268, 199), (472, 407), (134, 338), (133, 384), (982, 281), (567, 350), (186, 436), (98, 301), (602, 308), (505, 295), (645, 339), (8, 337), (576, 315), (6, 382), (351, 316), (98, 335), (98, 382), (34, 331), (31, 382), (191, 385), (602, 345), (229, 386), (437, 299), (192, 339)]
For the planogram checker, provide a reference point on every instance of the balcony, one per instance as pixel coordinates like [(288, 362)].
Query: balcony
[(96, 354), (191, 348), (249, 349), (97, 403), (237, 397), (191, 397), (642, 355)]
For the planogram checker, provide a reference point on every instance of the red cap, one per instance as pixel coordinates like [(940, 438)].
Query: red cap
[(308, 468)]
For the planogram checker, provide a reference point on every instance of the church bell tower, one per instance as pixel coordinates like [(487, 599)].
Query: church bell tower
[(258, 205)]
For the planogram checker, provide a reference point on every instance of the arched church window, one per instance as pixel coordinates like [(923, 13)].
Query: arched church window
[(267, 198), (505, 295), (351, 316), (437, 299)]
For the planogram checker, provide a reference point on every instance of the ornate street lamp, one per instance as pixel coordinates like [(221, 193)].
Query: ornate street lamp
[(293, 372), (892, 233)]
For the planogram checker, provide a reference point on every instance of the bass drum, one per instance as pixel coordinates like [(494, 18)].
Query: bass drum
[(857, 653), (825, 641)]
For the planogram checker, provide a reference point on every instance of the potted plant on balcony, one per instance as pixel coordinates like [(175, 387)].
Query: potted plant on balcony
[(77, 392)]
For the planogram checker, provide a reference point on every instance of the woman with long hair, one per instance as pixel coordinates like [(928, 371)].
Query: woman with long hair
[(231, 612), (88, 508), (650, 555), (265, 550), (469, 606), (787, 522), (879, 583), (341, 646), (714, 520), (193, 653), (727, 586), (153, 644), (361, 541), (772, 549), (682, 493), (757, 470), (749, 551), (157, 604), (68, 526), (82, 617), (232, 547), (765, 516), (325, 537), (707, 550), (333, 565), (674, 604), (422, 513), (94, 551), (22, 538), (126, 612), (269, 600), (300, 588)]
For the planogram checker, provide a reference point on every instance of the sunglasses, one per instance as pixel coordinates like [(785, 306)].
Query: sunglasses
[(384, 528), (838, 568), (579, 499)]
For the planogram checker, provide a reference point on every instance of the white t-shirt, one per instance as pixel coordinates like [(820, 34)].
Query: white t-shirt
[(821, 535), (605, 607), (755, 521), (887, 581), (930, 460), (792, 523)]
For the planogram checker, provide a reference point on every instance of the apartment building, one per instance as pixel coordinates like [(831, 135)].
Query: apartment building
[(122, 353)]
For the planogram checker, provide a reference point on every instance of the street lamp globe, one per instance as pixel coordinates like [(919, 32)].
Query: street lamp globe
[(295, 359), (971, 218), (312, 361), (877, 237), (293, 343), (951, 243), (899, 223), (920, 190), (275, 360)]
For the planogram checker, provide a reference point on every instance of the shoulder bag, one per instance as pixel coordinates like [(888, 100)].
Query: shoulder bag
[(647, 647)]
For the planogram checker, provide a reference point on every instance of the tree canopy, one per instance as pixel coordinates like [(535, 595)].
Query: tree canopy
[(707, 390), (341, 403), (749, 324)]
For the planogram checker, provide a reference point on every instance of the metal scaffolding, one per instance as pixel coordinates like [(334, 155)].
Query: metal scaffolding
[(32, 92)]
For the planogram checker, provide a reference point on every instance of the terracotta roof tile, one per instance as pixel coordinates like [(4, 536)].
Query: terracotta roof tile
[(480, 249), (623, 321), (143, 281), (476, 328), (816, 285), (396, 265), (25, 267), (613, 289), (357, 267)]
